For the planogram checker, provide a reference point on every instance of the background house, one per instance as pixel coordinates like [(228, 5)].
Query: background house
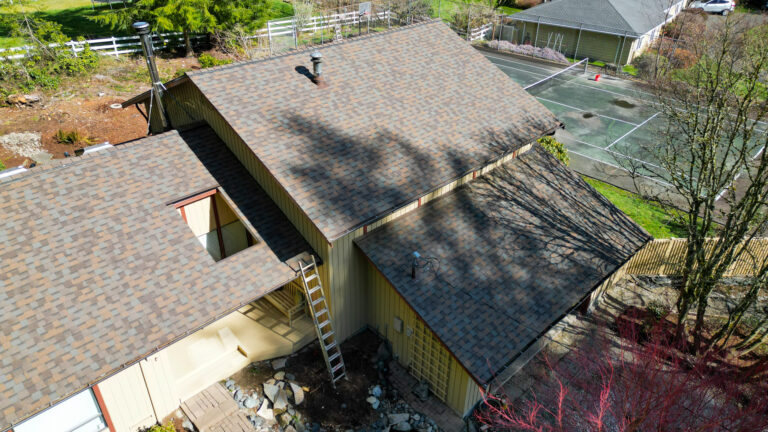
[(612, 31), (138, 268)]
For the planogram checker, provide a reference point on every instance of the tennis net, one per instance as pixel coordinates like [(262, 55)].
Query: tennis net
[(575, 70)]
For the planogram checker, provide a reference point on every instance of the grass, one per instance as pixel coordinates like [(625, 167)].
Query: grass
[(647, 215), (75, 19)]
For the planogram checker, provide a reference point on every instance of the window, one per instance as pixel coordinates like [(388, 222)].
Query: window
[(80, 413), (215, 224)]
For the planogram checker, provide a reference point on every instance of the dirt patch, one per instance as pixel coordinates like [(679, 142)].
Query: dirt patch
[(82, 105), (92, 119)]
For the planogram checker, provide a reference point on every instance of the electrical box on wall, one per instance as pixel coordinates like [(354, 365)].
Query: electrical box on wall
[(398, 325)]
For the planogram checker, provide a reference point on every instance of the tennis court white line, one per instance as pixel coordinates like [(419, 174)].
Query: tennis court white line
[(522, 70), (579, 109), (549, 71), (633, 129), (618, 167), (617, 153)]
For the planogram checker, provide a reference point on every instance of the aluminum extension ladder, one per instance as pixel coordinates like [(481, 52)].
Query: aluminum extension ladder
[(318, 307)]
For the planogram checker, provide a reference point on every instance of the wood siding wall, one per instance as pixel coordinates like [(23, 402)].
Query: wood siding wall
[(596, 46), (127, 401), (385, 306), (665, 257)]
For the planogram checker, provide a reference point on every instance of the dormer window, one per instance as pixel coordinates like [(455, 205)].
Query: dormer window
[(214, 223)]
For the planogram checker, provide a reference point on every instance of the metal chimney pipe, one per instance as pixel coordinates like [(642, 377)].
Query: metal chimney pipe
[(142, 29)]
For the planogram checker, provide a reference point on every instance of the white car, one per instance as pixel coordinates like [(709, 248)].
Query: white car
[(723, 7)]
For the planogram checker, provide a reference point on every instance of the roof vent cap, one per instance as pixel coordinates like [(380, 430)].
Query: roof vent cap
[(141, 27), (317, 60)]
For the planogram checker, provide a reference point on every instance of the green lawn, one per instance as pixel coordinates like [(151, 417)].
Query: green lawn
[(649, 216)]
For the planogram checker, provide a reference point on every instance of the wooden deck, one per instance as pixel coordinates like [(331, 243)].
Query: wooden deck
[(214, 410)]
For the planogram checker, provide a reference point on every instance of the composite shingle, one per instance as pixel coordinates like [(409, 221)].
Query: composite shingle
[(509, 253), (98, 269), (403, 112)]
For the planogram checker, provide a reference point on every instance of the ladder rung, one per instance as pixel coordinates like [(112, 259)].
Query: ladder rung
[(334, 357), (315, 289), (330, 346), (339, 377), (309, 278), (338, 366), (324, 323), (327, 335), (315, 302), (321, 312)]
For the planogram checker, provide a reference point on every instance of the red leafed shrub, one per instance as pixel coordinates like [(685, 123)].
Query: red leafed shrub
[(682, 58), (525, 4), (610, 383)]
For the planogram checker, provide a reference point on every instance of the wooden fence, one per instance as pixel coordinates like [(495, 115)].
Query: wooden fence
[(665, 257)]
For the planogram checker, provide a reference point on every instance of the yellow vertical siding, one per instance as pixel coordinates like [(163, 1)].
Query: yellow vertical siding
[(384, 307), (127, 401)]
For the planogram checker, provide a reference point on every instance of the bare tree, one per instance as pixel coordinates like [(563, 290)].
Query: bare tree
[(711, 154)]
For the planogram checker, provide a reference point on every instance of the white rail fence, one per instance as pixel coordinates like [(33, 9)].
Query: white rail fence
[(114, 46), (286, 27)]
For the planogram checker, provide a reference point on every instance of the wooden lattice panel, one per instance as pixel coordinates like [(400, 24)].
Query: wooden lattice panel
[(429, 360)]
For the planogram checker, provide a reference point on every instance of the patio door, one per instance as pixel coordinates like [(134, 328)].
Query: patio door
[(429, 359)]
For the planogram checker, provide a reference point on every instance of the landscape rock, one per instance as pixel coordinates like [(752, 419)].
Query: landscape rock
[(186, 424), (280, 375), (280, 402), (229, 384), (270, 391), (285, 419), (376, 391), (298, 394), (278, 364), (422, 391), (290, 377), (403, 426), (238, 394), (398, 418), (266, 412), (251, 402), (290, 429), (373, 401)]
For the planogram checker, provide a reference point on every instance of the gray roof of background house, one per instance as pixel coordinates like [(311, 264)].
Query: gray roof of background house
[(633, 17), (99, 270), (404, 112), (515, 251)]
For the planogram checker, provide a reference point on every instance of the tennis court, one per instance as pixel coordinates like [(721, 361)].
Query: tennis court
[(611, 121)]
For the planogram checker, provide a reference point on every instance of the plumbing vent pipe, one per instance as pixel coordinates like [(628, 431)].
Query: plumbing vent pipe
[(317, 71), (142, 29)]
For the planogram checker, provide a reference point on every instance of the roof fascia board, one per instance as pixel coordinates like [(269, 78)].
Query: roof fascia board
[(144, 96)]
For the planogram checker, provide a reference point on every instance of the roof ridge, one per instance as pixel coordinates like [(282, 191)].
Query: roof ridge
[(305, 50), (621, 15)]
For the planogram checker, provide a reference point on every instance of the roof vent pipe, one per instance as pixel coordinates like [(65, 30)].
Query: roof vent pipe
[(317, 62), (142, 29)]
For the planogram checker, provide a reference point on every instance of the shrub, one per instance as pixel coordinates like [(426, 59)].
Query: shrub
[(555, 147), (689, 23), (72, 138), (648, 64), (160, 428), (529, 50), (682, 59), (658, 310), (206, 60)]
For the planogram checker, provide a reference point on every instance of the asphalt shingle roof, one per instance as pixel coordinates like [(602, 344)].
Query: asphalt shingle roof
[(98, 269), (633, 17), (514, 251), (404, 112)]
